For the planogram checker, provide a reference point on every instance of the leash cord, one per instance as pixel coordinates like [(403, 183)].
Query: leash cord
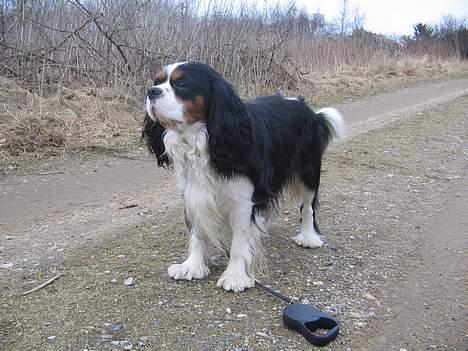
[(273, 292)]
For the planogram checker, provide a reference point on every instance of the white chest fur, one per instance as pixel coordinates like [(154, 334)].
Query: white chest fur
[(204, 193)]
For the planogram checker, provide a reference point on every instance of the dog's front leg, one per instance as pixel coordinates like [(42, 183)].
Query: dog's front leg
[(195, 266), (238, 275)]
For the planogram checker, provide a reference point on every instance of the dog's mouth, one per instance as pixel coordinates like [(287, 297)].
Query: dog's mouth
[(156, 116)]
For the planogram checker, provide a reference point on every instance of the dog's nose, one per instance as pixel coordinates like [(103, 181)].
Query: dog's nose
[(154, 92)]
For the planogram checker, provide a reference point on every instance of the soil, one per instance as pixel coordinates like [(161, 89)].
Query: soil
[(393, 267)]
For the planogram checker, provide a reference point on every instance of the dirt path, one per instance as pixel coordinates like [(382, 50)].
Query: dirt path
[(109, 218), (428, 306)]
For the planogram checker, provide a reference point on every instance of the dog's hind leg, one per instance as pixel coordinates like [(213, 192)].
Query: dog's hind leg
[(309, 235)]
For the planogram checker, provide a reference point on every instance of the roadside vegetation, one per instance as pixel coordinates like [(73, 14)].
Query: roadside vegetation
[(73, 73)]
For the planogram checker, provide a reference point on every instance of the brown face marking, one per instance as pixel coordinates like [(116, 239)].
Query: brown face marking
[(176, 74), (161, 76), (195, 109)]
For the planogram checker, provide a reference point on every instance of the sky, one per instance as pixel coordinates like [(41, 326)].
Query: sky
[(390, 17)]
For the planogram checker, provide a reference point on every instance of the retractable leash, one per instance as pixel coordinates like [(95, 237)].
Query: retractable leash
[(306, 319)]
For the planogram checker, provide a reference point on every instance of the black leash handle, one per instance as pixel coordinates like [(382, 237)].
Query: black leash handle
[(306, 319)]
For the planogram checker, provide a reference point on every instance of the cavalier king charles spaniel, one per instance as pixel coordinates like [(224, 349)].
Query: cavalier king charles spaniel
[(233, 161)]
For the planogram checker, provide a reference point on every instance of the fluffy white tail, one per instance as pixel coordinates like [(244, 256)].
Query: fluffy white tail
[(334, 120)]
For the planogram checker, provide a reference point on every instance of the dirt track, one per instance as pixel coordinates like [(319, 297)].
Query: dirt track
[(392, 268)]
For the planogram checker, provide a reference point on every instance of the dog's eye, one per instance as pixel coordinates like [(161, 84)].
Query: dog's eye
[(157, 82), (180, 84)]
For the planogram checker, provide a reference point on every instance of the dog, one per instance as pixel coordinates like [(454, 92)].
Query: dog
[(233, 162)]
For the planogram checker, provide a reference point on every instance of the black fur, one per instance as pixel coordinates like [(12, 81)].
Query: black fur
[(290, 141), (153, 133)]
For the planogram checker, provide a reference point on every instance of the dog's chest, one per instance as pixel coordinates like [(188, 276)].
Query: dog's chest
[(201, 189)]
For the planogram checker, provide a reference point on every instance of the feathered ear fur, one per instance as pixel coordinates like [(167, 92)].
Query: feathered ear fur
[(153, 133), (229, 129)]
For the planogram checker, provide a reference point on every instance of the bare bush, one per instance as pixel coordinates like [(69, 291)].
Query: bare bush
[(52, 43)]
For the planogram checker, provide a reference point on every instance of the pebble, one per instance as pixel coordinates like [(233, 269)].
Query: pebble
[(129, 281), (275, 255), (228, 310), (369, 296), (115, 328), (318, 282), (52, 337), (262, 334), (241, 315), (114, 281), (7, 265)]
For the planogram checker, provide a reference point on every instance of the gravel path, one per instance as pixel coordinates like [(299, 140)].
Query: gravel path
[(392, 269)]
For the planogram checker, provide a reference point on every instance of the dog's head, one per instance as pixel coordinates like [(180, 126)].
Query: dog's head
[(183, 93), (190, 92)]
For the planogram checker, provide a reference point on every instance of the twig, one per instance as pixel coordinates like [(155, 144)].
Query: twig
[(42, 285), (46, 173), (105, 34), (128, 206)]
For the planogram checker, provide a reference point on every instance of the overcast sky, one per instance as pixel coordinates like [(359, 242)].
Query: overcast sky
[(392, 16), (387, 16)]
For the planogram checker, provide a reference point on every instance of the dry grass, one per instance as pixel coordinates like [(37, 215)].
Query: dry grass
[(109, 119), (66, 121), (383, 75)]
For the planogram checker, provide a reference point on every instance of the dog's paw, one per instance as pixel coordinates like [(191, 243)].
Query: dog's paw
[(310, 241), (235, 281), (188, 271)]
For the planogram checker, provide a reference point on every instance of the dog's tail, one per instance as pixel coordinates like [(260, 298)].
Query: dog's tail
[(334, 122)]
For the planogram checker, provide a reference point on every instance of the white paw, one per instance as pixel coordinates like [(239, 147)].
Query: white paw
[(310, 241), (188, 271), (235, 281)]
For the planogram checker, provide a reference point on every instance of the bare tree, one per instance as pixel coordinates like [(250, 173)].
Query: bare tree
[(344, 17)]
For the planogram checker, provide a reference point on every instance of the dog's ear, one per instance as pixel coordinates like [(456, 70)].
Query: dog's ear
[(153, 133), (229, 129)]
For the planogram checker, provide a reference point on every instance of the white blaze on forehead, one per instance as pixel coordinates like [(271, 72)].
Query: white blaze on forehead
[(170, 68)]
